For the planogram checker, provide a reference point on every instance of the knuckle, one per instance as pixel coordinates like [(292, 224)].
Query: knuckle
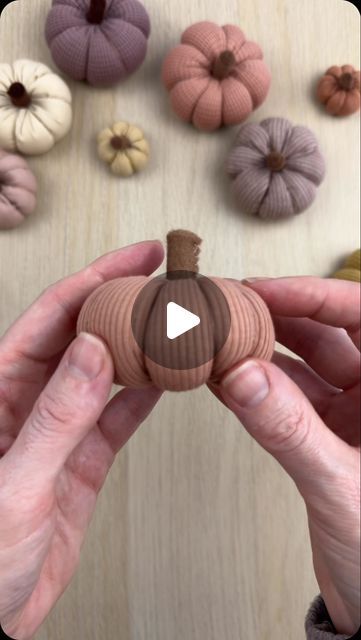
[(288, 428), (51, 411)]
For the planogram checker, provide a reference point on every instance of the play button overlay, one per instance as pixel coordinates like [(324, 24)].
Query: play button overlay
[(180, 320)]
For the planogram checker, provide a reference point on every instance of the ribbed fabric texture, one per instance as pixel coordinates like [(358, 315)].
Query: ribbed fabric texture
[(108, 314), (196, 95), (18, 188), (339, 90), (101, 54), (318, 623), (289, 187)]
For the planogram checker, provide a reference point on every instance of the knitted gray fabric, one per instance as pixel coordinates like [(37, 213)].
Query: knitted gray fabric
[(319, 625)]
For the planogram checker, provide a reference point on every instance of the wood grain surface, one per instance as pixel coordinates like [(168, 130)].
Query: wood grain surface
[(199, 534)]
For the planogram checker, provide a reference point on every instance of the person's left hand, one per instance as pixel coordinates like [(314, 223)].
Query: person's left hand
[(58, 439)]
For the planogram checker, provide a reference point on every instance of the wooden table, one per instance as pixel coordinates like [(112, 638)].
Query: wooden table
[(199, 534)]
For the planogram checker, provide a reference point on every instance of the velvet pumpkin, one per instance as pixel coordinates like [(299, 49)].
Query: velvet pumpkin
[(215, 76), (108, 313), (339, 90), (18, 189), (100, 41), (35, 107), (275, 168)]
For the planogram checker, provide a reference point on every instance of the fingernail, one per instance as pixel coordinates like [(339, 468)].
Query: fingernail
[(86, 358), (247, 385), (250, 280)]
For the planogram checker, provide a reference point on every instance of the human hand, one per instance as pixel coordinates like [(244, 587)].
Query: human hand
[(307, 415), (58, 439)]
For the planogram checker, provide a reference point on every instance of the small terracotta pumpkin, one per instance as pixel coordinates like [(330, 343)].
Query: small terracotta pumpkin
[(100, 41), (215, 76), (35, 107), (351, 268), (109, 310), (124, 147), (275, 168), (339, 90), (18, 189)]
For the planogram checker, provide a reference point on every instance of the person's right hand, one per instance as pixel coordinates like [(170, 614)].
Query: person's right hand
[(307, 415), (58, 438)]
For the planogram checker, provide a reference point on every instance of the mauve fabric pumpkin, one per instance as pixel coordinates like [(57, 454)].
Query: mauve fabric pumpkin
[(339, 90), (100, 41), (275, 168), (215, 76), (18, 189)]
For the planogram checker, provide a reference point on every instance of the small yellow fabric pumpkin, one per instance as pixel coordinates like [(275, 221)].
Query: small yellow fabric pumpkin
[(351, 269), (124, 147)]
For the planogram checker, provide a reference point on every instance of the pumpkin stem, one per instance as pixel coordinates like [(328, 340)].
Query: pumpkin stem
[(275, 161), (183, 249), (346, 82), (96, 11), (18, 95), (223, 65), (120, 143)]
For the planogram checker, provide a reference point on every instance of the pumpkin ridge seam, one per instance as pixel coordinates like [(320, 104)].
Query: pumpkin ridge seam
[(199, 98)]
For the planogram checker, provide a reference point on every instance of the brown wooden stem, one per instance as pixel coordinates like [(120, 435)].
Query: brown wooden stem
[(96, 11), (120, 143), (346, 81), (223, 65), (183, 248), (18, 95)]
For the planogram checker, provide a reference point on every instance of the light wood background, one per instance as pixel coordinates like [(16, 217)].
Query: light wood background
[(199, 535)]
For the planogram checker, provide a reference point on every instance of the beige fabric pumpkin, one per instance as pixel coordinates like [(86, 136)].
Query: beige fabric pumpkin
[(18, 189), (124, 147), (35, 107)]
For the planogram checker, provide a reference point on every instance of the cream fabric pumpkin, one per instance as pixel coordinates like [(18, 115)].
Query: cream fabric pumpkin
[(35, 107), (124, 147)]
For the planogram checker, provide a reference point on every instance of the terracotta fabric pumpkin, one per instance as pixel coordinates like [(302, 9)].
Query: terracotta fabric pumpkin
[(108, 314), (351, 268), (339, 90), (275, 168), (100, 41), (18, 189), (124, 147), (35, 107), (215, 76)]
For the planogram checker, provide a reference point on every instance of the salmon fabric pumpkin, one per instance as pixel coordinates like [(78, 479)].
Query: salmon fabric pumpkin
[(17, 190), (108, 314), (215, 76), (100, 41), (275, 168), (339, 90)]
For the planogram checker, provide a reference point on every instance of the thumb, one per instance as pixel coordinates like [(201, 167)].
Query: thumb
[(65, 411), (278, 415)]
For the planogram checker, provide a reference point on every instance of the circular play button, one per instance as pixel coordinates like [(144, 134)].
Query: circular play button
[(181, 320)]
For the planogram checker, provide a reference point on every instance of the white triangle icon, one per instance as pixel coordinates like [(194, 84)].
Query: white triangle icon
[(179, 320)]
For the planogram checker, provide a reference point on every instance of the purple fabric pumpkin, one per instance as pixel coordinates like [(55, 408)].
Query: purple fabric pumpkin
[(276, 168), (100, 41), (18, 189)]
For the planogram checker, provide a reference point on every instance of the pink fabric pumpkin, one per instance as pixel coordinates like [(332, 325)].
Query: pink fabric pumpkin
[(215, 76), (276, 168), (100, 41), (17, 190)]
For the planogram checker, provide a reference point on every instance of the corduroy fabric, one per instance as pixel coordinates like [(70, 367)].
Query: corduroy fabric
[(104, 53), (289, 188), (107, 313), (18, 189), (318, 623), (339, 90), (196, 95), (351, 268)]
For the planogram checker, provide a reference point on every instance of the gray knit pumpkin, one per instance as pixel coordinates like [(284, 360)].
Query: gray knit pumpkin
[(275, 168)]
